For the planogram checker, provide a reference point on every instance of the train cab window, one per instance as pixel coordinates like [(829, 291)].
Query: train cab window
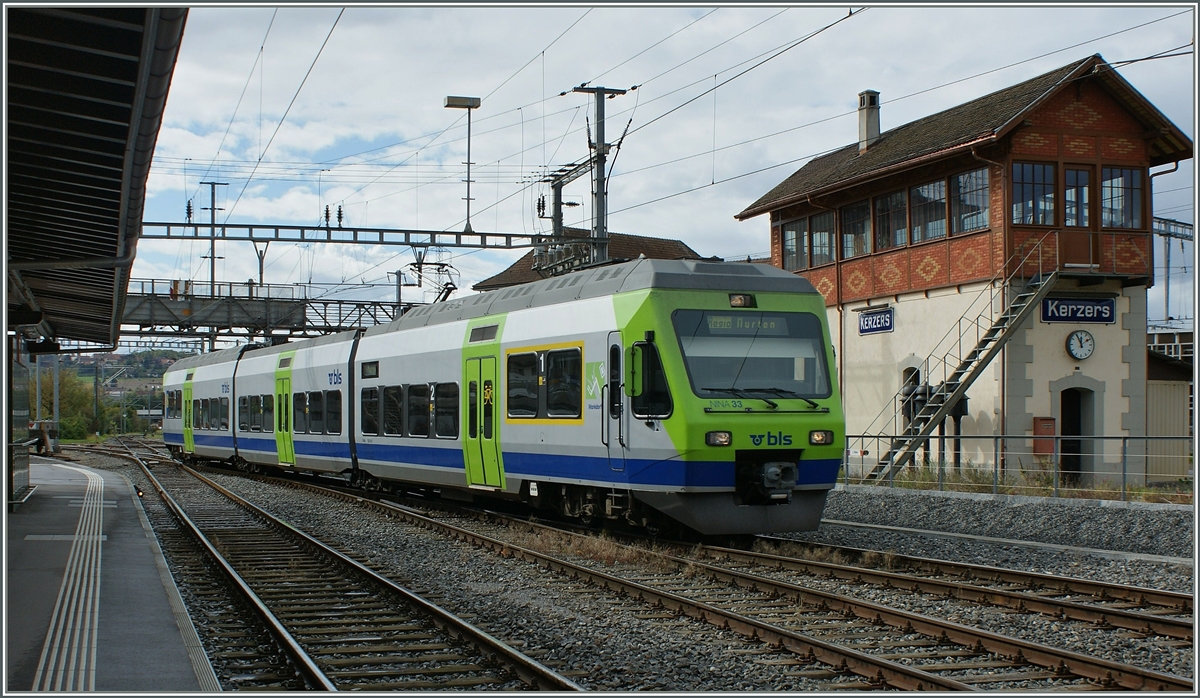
[(445, 410), (299, 413), (196, 414), (316, 412), (523, 385), (393, 410), (268, 412), (614, 381), (243, 413), (418, 410), (564, 383), (370, 411), (255, 413), (224, 425), (655, 400), (333, 412)]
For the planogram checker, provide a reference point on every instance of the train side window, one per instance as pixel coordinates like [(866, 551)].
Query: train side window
[(614, 381), (418, 410), (445, 410), (522, 385), (655, 400), (224, 426), (316, 412), (472, 410), (196, 414), (370, 411), (243, 413), (393, 410), (333, 412), (203, 414), (564, 383), (268, 412), (299, 413), (255, 413)]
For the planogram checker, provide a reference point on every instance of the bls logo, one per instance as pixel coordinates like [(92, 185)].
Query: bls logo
[(771, 439)]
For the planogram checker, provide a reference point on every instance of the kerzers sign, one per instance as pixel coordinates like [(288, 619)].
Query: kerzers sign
[(876, 321), (1075, 310)]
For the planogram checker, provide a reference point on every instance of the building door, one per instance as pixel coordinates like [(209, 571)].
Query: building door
[(615, 409), (1078, 241), (483, 436), (1076, 407)]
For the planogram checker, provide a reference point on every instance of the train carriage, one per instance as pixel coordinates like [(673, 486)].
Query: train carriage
[(702, 391)]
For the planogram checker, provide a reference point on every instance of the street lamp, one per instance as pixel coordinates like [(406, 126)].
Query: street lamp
[(467, 103)]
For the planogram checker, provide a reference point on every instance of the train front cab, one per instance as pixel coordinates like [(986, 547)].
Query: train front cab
[(745, 386)]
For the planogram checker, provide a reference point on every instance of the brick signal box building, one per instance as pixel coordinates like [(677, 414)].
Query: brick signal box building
[(988, 266)]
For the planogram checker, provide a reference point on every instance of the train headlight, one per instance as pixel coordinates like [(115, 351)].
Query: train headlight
[(742, 300), (820, 438), (718, 438)]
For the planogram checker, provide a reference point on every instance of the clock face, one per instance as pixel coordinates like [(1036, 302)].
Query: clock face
[(1080, 344)]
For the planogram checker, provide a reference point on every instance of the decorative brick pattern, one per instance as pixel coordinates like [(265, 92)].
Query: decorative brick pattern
[(1025, 244), (970, 258), (929, 267), (1122, 148), (1080, 146), (891, 272), (776, 247), (1034, 143), (825, 281), (856, 279)]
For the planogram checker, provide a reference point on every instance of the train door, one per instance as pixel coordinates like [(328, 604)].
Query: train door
[(614, 406), (284, 445), (189, 438), (482, 438)]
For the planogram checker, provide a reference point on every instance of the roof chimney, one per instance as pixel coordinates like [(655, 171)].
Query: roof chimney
[(868, 119)]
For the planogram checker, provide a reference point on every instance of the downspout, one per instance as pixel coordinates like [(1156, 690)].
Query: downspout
[(837, 289), (1148, 206), (1003, 223)]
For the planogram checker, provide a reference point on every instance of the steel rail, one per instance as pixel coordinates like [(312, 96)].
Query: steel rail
[(1156, 597), (529, 670), (304, 664), (1181, 628)]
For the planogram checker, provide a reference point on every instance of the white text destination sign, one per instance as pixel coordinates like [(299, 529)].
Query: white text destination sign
[(1102, 310), (876, 321)]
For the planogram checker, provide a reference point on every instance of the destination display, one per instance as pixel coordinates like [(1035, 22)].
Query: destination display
[(877, 321), (1076, 310), (759, 324)]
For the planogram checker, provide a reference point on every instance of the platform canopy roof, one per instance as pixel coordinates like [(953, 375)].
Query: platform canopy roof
[(86, 91)]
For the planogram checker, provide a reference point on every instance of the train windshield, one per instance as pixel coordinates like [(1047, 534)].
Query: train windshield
[(758, 354)]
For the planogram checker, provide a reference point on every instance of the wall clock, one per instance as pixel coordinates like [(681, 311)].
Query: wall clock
[(1080, 344)]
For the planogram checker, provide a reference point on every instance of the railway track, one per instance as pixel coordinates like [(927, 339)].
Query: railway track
[(339, 624), (829, 634)]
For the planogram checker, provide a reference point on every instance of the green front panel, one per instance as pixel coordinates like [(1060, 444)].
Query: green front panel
[(283, 409), (189, 440), (482, 453)]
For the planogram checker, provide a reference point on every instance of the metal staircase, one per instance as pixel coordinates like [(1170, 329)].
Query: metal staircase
[(958, 369)]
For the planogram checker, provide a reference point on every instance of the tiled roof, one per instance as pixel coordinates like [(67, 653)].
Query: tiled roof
[(980, 120), (620, 246)]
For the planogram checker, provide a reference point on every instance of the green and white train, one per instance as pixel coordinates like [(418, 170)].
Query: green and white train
[(702, 392)]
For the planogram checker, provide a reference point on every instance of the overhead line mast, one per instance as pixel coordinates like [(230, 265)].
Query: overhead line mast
[(600, 205)]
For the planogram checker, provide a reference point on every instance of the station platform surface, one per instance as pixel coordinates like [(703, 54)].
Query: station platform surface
[(89, 602)]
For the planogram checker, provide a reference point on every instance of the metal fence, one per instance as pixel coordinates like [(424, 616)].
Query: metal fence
[(1161, 468)]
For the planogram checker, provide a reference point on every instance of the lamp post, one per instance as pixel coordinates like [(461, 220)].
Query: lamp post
[(467, 103)]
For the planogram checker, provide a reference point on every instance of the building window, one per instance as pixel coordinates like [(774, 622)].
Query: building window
[(795, 244), (1075, 198), (821, 227), (969, 201), (856, 229), (1121, 197), (928, 211), (891, 221), (1033, 194)]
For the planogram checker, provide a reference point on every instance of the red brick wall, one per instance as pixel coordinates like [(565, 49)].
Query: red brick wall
[(889, 273), (970, 257), (1125, 253), (1036, 143), (825, 281)]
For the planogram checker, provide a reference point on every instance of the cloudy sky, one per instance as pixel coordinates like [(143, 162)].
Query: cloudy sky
[(301, 107)]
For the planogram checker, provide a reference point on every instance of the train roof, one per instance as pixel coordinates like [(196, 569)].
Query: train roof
[(639, 274), (224, 355)]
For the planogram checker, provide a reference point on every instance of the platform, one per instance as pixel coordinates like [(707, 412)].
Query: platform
[(90, 604)]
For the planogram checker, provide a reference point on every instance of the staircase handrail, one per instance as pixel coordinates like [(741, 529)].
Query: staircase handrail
[(949, 359)]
